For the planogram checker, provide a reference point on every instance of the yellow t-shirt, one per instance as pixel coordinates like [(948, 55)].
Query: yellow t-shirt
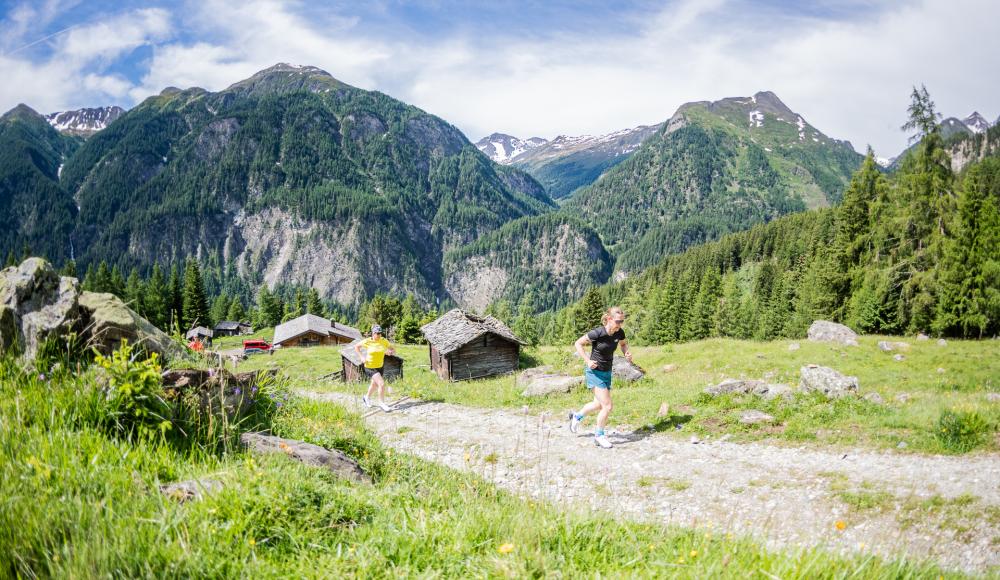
[(376, 351)]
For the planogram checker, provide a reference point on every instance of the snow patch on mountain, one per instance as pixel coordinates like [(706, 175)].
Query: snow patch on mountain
[(504, 148), (976, 123), (84, 121)]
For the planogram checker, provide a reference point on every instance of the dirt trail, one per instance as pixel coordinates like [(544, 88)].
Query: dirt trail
[(786, 497)]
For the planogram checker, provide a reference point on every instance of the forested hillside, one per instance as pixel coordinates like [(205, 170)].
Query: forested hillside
[(917, 251)]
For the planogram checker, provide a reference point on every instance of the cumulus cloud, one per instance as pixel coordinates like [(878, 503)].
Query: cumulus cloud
[(847, 68)]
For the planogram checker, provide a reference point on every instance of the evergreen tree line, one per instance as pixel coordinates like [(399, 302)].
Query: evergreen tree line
[(917, 251)]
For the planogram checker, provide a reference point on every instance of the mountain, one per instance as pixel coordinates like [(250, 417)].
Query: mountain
[(976, 122), (290, 176), (567, 163), (714, 167), (84, 122), (36, 213), (503, 148)]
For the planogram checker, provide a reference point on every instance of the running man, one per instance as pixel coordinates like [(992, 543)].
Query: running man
[(597, 370), (376, 348)]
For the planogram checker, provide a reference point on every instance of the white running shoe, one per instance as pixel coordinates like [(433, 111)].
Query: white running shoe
[(367, 403), (574, 423), (384, 407), (602, 442)]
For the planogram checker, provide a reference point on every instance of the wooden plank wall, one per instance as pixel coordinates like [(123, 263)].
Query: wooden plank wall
[(392, 370), (484, 357)]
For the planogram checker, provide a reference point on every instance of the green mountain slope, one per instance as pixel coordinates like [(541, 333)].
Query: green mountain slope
[(714, 168), (294, 177), (35, 212)]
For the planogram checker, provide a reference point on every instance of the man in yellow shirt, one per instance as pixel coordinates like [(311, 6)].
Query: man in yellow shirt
[(376, 348)]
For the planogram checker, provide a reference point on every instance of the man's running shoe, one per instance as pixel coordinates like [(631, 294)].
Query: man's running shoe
[(602, 442), (384, 407), (574, 423), (367, 403)]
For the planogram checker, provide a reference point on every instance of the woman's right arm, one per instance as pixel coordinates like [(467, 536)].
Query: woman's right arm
[(580, 343)]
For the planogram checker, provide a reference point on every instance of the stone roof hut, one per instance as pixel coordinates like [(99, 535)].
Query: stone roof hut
[(232, 328), (352, 365), (466, 346), (201, 333), (311, 330)]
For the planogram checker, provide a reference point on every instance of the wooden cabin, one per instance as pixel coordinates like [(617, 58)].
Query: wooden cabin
[(201, 333), (465, 346), (311, 330), (232, 328), (352, 364)]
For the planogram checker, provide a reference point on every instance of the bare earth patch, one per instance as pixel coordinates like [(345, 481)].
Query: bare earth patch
[(786, 497)]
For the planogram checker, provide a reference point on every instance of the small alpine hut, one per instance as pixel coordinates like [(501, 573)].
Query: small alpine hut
[(311, 330), (464, 346), (392, 367), (201, 333), (232, 328)]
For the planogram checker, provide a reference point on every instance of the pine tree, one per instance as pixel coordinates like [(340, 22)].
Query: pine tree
[(236, 311), (701, 317), (135, 293), (157, 299), (118, 284), (90, 279), (314, 305), (220, 307), (525, 324), (102, 278), (10, 260), (69, 268), (195, 312), (589, 311), (175, 319)]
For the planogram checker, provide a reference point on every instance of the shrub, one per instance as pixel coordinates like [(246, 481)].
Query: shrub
[(962, 431), (132, 396)]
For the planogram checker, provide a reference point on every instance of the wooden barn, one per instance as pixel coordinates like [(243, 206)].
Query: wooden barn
[(311, 330), (201, 333), (464, 346), (232, 328), (352, 365)]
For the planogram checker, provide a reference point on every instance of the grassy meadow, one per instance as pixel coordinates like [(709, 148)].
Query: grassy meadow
[(82, 463), (933, 401)]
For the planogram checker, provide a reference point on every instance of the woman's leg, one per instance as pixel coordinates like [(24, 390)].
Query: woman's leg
[(379, 381), (371, 386), (603, 398), (591, 406)]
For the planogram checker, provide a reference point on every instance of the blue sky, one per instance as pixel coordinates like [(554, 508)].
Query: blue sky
[(525, 68)]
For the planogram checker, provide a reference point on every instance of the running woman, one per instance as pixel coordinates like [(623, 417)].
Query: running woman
[(597, 370), (376, 348)]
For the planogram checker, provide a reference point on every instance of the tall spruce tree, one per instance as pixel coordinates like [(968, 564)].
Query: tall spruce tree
[(589, 311), (157, 299), (195, 311), (176, 313), (236, 311), (314, 305)]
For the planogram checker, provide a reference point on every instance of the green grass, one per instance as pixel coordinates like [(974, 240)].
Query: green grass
[(970, 370), (80, 502)]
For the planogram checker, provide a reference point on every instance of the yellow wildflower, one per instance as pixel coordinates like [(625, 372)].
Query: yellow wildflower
[(506, 548), (841, 525), (693, 554)]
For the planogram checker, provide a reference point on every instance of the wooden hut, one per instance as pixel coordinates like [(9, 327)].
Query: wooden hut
[(232, 328), (201, 333), (352, 371), (311, 330), (465, 346)]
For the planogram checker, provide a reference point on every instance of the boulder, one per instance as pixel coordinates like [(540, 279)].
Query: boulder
[(753, 417), (902, 398), (749, 387), (183, 491), (898, 358), (110, 321), (886, 346), (942, 342), (541, 381), (339, 464), (826, 331), (36, 304), (874, 397), (794, 346), (214, 389), (922, 336), (827, 381), (626, 371)]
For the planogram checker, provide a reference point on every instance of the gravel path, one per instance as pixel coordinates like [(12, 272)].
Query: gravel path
[(786, 497)]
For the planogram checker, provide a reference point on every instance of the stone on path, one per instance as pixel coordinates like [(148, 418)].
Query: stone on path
[(541, 381), (826, 331), (827, 381), (339, 464), (753, 417)]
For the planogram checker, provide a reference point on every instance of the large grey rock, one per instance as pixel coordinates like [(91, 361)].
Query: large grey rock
[(339, 464), (626, 371), (541, 381), (109, 321), (826, 331), (35, 305), (886, 346), (183, 491), (827, 381), (749, 387)]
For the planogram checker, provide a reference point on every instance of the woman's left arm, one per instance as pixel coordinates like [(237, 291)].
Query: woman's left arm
[(624, 346)]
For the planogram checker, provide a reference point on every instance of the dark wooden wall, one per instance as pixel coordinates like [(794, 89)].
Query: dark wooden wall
[(392, 369), (314, 339), (485, 356)]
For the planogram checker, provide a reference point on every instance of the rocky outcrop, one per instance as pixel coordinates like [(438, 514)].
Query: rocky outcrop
[(827, 381), (753, 417), (339, 464), (749, 387), (541, 381), (623, 370), (37, 305), (826, 331), (215, 389)]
